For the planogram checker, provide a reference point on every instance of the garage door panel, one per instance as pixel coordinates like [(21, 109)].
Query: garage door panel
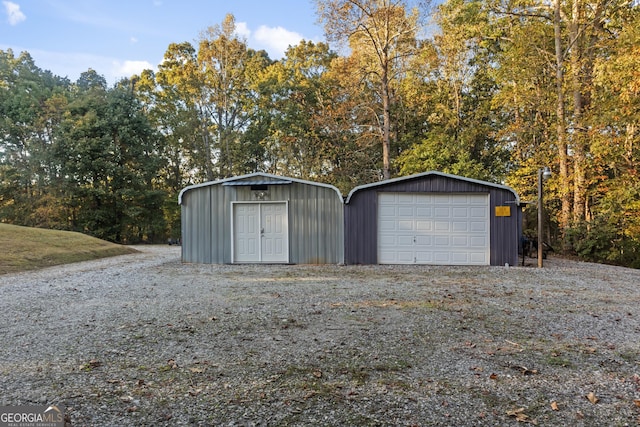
[(478, 258), (441, 257), (462, 199), (478, 227), (442, 212), (440, 241), (460, 241), (473, 200), (424, 257), (460, 258), (478, 241), (405, 211), (406, 225), (424, 226), (433, 228), (441, 226), (405, 241), (387, 211), (387, 225), (424, 241), (459, 212), (424, 212), (404, 198), (478, 212), (396, 257), (460, 227)]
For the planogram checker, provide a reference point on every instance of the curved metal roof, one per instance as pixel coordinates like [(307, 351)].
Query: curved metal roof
[(257, 178), (430, 173)]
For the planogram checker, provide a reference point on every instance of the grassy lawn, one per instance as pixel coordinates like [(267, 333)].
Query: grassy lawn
[(25, 248)]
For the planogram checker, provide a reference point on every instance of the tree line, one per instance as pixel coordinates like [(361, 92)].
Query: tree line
[(492, 90)]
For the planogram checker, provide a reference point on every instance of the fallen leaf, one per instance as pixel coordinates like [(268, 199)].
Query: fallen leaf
[(91, 364), (519, 415), (554, 406), (197, 370), (637, 402), (592, 398), (493, 376), (195, 392), (317, 374), (525, 370)]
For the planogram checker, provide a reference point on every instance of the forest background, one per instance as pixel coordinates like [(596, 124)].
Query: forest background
[(492, 90)]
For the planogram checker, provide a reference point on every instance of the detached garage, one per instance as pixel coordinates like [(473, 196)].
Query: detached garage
[(432, 218), (262, 218)]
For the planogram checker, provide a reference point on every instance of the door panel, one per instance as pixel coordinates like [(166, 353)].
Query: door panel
[(246, 233)]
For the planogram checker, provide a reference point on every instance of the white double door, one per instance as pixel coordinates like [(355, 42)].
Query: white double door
[(260, 232)]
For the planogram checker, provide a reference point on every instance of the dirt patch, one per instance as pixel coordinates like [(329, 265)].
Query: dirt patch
[(145, 340)]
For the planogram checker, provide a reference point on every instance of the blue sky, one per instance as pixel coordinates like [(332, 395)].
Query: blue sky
[(118, 38)]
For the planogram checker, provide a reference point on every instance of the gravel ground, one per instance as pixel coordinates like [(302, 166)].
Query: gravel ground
[(145, 340)]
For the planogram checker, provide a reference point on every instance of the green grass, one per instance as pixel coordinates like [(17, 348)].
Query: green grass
[(25, 248)]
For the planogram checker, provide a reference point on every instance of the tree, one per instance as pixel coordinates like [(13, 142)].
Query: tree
[(31, 104), (109, 157), (451, 87), (381, 35), (213, 87), (292, 93)]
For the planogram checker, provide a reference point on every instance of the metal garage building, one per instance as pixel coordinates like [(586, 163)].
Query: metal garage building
[(262, 218), (432, 218)]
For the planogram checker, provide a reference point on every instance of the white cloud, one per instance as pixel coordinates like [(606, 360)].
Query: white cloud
[(276, 40), (133, 40), (14, 14), (129, 68), (242, 30)]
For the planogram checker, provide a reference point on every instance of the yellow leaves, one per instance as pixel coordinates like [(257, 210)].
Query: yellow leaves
[(592, 398), (554, 406)]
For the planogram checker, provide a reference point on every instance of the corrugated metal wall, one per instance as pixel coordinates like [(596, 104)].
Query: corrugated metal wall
[(316, 221), (361, 236)]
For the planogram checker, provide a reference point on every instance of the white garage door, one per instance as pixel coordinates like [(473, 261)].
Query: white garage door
[(443, 229)]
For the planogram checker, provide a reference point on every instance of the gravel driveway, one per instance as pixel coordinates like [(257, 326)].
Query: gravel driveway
[(145, 340)]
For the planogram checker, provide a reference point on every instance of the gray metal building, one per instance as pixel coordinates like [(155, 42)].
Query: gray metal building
[(262, 218), (432, 218)]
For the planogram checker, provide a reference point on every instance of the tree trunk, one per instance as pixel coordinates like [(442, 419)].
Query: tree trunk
[(386, 127), (565, 186), (579, 144)]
